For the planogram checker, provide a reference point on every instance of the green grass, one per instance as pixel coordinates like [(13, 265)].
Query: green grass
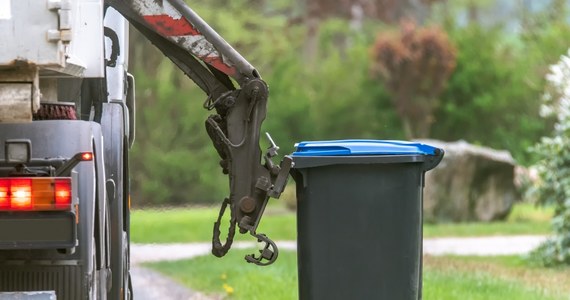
[(470, 278), (486, 229), (232, 275), (509, 277), (524, 219), (195, 225), (525, 212), (444, 285)]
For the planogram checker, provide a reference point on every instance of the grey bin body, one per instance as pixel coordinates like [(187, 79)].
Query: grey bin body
[(359, 225)]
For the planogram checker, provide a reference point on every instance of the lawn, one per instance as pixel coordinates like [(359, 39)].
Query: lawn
[(195, 225), (470, 278), (524, 219), (448, 277), (497, 277)]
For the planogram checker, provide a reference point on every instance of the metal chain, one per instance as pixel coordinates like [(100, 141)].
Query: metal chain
[(218, 249)]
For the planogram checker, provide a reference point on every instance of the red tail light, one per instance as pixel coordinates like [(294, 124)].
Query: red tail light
[(37, 194), (21, 194), (62, 193), (4, 194)]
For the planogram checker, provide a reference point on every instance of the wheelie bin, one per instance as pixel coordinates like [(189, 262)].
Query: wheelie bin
[(359, 218)]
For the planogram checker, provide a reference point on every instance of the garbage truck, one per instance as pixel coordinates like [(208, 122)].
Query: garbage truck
[(67, 122)]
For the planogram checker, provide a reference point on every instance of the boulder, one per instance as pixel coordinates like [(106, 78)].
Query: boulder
[(471, 183)]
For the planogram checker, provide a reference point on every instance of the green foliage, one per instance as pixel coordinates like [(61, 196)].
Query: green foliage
[(492, 82), (554, 166), (247, 29), (332, 99), (174, 161), (498, 79), (171, 148)]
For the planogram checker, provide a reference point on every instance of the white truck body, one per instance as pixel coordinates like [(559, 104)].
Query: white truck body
[(42, 40)]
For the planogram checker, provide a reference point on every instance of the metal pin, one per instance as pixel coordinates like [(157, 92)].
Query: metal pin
[(273, 145)]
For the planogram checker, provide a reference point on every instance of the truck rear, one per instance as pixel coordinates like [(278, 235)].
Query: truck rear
[(66, 124)]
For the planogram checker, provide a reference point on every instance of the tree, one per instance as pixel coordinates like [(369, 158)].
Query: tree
[(386, 11), (172, 160), (554, 166), (414, 65), (498, 78)]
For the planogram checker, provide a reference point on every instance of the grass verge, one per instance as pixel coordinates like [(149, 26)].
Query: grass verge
[(445, 278), (524, 219), (195, 225), (233, 277), (497, 277), (186, 225)]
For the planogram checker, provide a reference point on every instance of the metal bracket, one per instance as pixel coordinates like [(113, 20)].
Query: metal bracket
[(63, 10), (282, 178)]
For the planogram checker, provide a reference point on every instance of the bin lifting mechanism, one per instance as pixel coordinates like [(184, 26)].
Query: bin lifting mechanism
[(249, 214)]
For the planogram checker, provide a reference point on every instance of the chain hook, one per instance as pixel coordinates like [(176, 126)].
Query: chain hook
[(267, 255)]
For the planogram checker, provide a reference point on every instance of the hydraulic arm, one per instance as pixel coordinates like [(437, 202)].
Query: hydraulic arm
[(210, 62)]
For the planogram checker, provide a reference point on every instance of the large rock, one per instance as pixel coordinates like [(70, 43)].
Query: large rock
[(471, 183)]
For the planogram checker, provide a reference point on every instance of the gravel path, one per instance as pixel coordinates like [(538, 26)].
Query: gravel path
[(168, 252), (151, 285), (483, 246), (148, 284)]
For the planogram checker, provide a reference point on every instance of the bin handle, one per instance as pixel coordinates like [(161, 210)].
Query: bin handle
[(433, 160)]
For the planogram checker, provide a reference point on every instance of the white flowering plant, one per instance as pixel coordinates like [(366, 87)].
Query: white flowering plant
[(553, 188)]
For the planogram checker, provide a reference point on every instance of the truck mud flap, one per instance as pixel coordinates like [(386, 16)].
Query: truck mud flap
[(61, 279)]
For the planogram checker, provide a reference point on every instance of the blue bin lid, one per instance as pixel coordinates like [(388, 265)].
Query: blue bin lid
[(362, 148)]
